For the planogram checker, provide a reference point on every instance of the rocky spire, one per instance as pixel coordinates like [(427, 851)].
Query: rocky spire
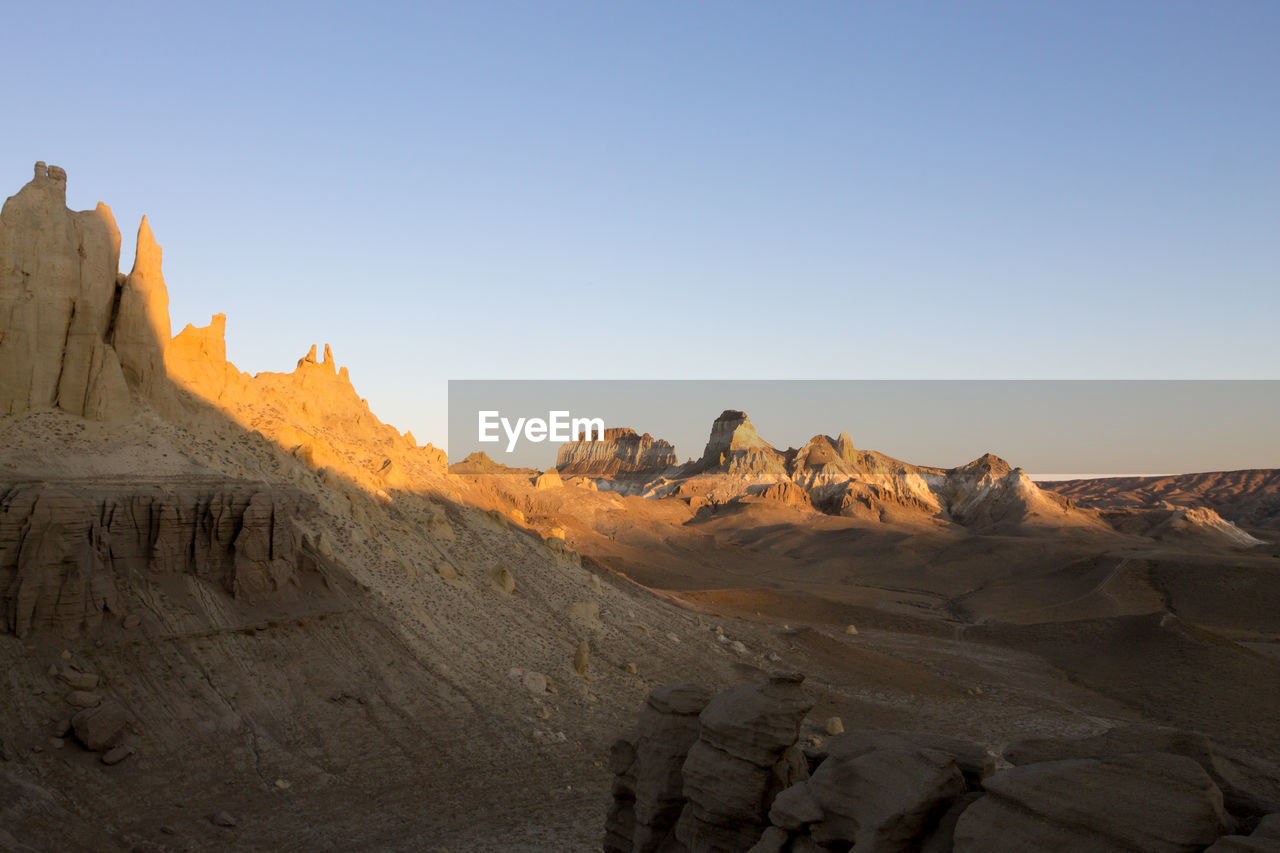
[(57, 287), (141, 331)]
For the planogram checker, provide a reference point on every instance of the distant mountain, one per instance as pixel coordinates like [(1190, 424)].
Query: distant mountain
[(1250, 498), (826, 474), (621, 455)]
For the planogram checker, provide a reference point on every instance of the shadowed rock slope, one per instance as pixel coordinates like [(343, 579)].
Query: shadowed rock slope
[(728, 774), (240, 612)]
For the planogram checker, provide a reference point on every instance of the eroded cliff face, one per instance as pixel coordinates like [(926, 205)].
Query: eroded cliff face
[(622, 455), (68, 556), (734, 447), (58, 292)]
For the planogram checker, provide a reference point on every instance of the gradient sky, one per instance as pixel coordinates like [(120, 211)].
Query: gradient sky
[(663, 189)]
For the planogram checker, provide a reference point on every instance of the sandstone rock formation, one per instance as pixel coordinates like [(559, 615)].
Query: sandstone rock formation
[(58, 292), (141, 333), (648, 790), (1152, 802), (1250, 497), (1132, 788), (734, 447), (622, 455), (63, 552), (707, 784), (1249, 785)]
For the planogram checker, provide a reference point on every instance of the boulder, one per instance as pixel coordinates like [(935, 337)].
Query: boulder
[(883, 801), (974, 760), (648, 781), (99, 728), (1250, 786), (1153, 802), (742, 759)]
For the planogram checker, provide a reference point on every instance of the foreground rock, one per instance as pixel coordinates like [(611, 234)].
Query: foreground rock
[(1153, 802), (1250, 786), (99, 728), (744, 756), (732, 778)]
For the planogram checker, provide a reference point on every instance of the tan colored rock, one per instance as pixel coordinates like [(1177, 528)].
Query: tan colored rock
[(833, 725), (58, 272), (621, 455), (584, 612), (549, 479), (141, 332), (500, 578), (581, 657)]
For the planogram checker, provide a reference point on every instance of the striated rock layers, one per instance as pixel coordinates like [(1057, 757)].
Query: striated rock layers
[(622, 455), (72, 329), (744, 786), (701, 775), (66, 554), (734, 447)]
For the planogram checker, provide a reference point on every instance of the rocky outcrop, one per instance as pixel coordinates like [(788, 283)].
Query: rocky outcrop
[(739, 782), (58, 292), (549, 479), (621, 455), (140, 333), (837, 478), (703, 778), (1250, 497), (1250, 786), (64, 554), (734, 447), (1153, 802), (883, 801), (648, 791)]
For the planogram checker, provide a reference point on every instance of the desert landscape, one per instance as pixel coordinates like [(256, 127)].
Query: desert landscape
[(240, 612)]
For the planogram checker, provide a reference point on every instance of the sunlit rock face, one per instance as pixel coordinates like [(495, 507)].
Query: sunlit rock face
[(140, 333), (734, 447), (623, 454), (58, 293)]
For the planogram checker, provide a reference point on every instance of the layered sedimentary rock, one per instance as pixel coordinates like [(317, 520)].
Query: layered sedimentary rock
[(1153, 802), (648, 793), (746, 786), (734, 447), (702, 774), (58, 294), (140, 332), (1249, 785), (621, 455), (65, 553), (1250, 497)]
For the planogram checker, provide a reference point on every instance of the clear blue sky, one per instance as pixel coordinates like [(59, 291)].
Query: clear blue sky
[(654, 189)]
